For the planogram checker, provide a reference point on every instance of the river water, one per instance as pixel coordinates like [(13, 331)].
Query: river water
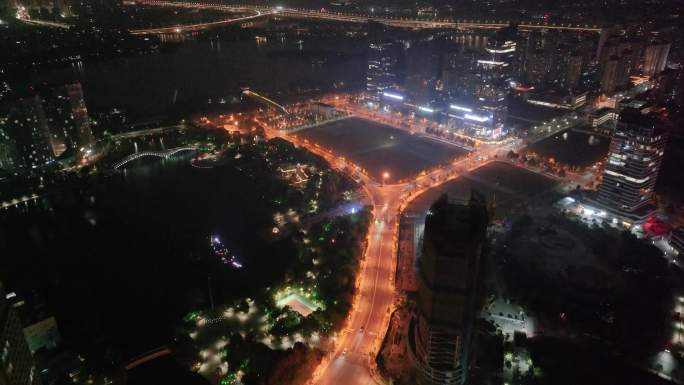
[(185, 77)]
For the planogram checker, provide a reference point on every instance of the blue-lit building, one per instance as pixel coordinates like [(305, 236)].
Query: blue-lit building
[(478, 118)]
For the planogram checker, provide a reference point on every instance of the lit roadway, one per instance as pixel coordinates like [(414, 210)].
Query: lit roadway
[(352, 361), (255, 13), (364, 18)]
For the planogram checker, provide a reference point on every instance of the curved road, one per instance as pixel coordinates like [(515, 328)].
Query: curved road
[(256, 13)]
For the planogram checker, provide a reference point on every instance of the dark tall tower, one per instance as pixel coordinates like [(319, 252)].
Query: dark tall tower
[(655, 57), (440, 333), (609, 78), (573, 70), (16, 363)]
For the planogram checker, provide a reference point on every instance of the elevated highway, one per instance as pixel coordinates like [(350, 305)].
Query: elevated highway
[(254, 13), (413, 23)]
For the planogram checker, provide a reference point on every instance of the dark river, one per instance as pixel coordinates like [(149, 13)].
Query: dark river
[(185, 77)]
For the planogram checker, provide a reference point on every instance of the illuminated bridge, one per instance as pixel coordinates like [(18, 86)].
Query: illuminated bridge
[(363, 18), (265, 100), (254, 14), (157, 154)]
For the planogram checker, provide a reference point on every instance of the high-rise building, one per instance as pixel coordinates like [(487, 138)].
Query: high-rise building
[(67, 116), (42, 125), (609, 77), (609, 50), (573, 70), (9, 155), (382, 68), (677, 241), (458, 74), (23, 122), (625, 67), (423, 70), (16, 363), (655, 57), (500, 61), (634, 157), (536, 66), (440, 333)]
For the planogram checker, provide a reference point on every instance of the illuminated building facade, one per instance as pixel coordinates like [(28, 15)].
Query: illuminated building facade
[(382, 68), (603, 116), (67, 116), (440, 333), (477, 118), (9, 156), (634, 157), (36, 128), (16, 363), (24, 127), (500, 61)]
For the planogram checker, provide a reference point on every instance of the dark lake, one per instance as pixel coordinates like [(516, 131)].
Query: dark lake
[(119, 262)]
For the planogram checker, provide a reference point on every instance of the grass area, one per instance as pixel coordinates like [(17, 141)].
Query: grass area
[(503, 184), (379, 148)]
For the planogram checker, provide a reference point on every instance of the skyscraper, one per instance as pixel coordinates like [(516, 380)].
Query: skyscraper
[(23, 122), (634, 157), (67, 116), (16, 363), (655, 57), (573, 71), (382, 66), (501, 58), (536, 66), (609, 77), (441, 331)]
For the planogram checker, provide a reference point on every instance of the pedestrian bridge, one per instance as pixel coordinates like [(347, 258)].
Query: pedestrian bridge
[(158, 154)]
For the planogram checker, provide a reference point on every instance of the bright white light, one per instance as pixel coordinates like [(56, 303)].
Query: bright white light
[(426, 109), (456, 107), (505, 50), (393, 96), (477, 118), (491, 62)]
